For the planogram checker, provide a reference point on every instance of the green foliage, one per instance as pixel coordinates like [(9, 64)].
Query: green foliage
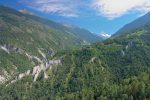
[(11, 62), (133, 88), (116, 69), (30, 32)]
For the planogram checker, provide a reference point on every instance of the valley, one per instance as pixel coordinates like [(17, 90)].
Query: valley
[(45, 60)]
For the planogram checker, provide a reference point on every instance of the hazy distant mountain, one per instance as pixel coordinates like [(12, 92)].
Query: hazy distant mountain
[(138, 24), (84, 34)]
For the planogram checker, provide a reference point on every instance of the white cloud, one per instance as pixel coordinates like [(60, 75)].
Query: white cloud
[(67, 8), (73, 8), (116, 8)]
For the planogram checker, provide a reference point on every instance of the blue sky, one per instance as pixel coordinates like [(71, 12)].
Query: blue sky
[(98, 16)]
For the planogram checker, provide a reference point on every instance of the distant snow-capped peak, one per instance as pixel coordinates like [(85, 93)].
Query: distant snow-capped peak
[(105, 35)]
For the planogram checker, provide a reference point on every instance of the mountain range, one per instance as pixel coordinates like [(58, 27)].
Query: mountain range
[(23, 36), (138, 24), (31, 26), (42, 59)]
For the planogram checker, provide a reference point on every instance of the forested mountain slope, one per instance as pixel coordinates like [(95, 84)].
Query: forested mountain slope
[(117, 68), (42, 31), (27, 41)]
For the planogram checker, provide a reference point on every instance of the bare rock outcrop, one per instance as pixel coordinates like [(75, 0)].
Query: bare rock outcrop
[(37, 70)]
